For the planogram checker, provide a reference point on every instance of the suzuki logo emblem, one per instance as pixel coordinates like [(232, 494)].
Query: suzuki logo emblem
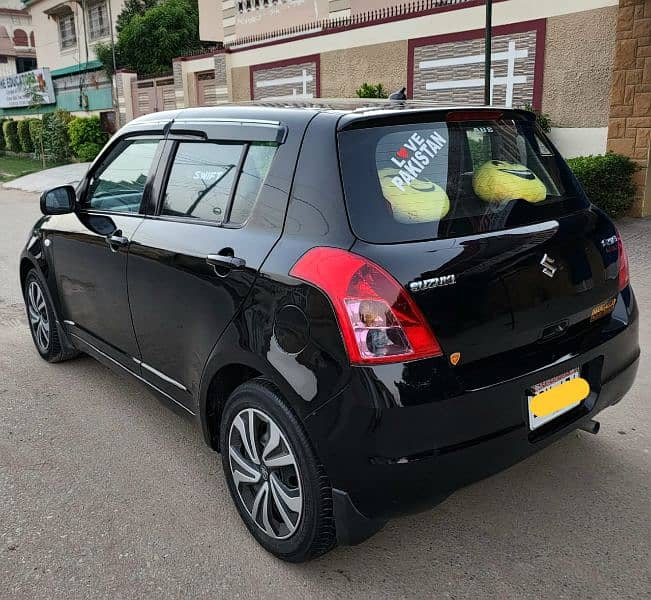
[(548, 267)]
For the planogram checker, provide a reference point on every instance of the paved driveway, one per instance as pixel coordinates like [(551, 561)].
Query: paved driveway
[(105, 493)]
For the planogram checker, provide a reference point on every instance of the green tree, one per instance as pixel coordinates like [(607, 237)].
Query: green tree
[(131, 9), (36, 102), (148, 41)]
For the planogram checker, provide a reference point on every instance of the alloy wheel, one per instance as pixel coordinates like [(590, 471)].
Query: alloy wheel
[(38, 316), (265, 473)]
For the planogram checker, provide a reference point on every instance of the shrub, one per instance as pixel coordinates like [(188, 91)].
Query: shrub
[(607, 180), (55, 135), (88, 151), (543, 119), (371, 91), (35, 132), (2, 135), (24, 139), (86, 137), (10, 131)]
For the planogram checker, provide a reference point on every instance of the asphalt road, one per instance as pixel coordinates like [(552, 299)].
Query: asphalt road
[(105, 493)]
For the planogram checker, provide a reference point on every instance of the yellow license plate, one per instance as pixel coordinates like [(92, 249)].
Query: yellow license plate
[(553, 397)]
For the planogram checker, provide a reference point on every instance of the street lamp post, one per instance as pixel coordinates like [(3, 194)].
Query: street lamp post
[(487, 50)]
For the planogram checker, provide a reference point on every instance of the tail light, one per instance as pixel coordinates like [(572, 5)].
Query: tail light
[(623, 263), (378, 320)]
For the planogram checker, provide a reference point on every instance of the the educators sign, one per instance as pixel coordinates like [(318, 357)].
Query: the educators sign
[(27, 89)]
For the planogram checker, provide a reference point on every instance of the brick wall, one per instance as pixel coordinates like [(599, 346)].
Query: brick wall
[(629, 126)]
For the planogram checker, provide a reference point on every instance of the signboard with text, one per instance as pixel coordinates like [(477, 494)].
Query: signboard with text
[(30, 88)]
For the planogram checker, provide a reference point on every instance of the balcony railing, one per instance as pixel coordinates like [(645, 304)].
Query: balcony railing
[(399, 11)]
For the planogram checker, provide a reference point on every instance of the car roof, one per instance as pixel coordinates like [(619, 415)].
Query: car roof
[(349, 112)]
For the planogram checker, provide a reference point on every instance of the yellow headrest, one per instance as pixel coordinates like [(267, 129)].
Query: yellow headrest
[(499, 181), (421, 201)]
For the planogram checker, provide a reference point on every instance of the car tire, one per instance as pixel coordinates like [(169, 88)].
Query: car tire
[(284, 498), (42, 320)]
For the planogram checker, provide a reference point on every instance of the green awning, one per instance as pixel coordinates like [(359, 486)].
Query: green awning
[(91, 65)]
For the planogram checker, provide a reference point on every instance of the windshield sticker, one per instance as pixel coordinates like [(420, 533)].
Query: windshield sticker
[(414, 155), (206, 175)]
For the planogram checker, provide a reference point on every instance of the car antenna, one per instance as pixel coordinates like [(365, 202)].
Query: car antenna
[(167, 127)]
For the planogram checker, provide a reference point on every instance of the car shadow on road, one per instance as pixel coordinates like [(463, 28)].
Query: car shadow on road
[(550, 518)]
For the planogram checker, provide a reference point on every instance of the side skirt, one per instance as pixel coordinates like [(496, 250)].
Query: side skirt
[(115, 365)]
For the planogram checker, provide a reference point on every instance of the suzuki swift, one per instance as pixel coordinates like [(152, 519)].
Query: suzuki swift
[(364, 308)]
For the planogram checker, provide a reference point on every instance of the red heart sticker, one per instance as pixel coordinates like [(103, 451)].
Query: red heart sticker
[(403, 153)]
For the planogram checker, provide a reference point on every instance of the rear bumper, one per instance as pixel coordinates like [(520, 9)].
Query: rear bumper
[(385, 459)]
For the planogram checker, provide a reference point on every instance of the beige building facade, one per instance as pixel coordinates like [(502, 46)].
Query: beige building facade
[(17, 40), (69, 30), (67, 33), (556, 56)]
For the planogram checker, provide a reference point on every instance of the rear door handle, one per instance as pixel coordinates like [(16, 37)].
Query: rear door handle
[(116, 240), (229, 262)]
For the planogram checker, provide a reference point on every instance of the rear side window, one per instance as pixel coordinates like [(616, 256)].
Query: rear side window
[(254, 171), (445, 179), (201, 180), (204, 177)]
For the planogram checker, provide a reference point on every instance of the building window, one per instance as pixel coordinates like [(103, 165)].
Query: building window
[(20, 38), (25, 64), (247, 5), (3, 60), (67, 31), (98, 21)]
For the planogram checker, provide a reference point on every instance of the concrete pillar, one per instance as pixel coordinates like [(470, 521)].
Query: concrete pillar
[(338, 9), (179, 84), (123, 79), (222, 78)]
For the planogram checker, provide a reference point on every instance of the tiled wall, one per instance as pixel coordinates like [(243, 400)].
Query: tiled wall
[(453, 72), (299, 80)]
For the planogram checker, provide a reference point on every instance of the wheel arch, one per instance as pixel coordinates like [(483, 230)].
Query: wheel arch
[(26, 265), (218, 387)]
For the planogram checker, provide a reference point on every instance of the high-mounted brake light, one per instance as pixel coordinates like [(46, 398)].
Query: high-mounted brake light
[(474, 115), (624, 277), (379, 321)]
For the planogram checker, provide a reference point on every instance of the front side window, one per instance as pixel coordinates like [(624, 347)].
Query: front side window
[(98, 21), (67, 31), (119, 184), (201, 180)]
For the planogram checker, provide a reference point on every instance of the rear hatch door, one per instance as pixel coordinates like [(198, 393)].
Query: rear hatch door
[(482, 222)]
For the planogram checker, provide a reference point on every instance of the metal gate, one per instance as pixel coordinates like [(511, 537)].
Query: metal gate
[(152, 95), (206, 89)]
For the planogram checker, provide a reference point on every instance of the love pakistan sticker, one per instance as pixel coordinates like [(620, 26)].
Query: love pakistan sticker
[(414, 155), (413, 197)]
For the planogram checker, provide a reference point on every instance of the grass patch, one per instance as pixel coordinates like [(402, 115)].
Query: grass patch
[(12, 166)]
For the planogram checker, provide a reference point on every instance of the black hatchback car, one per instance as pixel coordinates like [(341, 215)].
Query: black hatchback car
[(363, 307)]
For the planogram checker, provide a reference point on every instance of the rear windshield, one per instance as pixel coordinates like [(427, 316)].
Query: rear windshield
[(446, 179)]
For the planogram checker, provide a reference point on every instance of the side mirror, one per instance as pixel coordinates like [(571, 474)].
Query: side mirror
[(59, 200)]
